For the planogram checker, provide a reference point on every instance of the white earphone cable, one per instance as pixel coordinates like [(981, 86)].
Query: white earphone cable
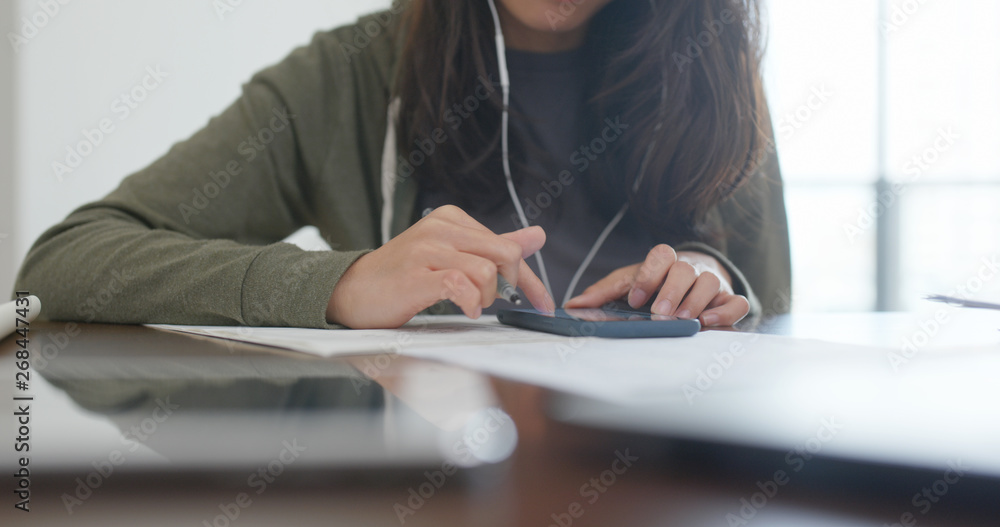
[(504, 120), (505, 137)]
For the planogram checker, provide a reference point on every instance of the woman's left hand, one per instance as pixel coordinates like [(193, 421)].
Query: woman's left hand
[(683, 284)]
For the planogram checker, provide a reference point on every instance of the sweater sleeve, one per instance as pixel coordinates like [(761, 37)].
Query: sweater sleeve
[(754, 248), (194, 238)]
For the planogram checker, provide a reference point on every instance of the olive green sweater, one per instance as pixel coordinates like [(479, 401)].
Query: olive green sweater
[(195, 237)]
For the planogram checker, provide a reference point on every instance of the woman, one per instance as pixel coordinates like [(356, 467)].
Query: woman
[(636, 144)]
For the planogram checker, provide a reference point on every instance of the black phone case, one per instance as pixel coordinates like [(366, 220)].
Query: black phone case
[(564, 324)]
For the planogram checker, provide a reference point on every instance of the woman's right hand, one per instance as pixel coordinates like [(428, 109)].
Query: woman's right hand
[(447, 255)]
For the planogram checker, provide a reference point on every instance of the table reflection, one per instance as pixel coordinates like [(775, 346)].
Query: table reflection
[(247, 407)]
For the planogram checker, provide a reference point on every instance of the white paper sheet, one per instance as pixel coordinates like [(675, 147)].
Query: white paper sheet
[(421, 332), (610, 369)]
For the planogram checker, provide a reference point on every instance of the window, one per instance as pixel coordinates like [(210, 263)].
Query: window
[(887, 119)]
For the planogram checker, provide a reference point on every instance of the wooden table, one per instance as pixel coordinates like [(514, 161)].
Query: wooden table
[(553, 478)]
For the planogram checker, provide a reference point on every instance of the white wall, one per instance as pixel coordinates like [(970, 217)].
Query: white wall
[(70, 73), (7, 194)]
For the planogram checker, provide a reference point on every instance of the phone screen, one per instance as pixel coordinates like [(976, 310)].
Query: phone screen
[(613, 315)]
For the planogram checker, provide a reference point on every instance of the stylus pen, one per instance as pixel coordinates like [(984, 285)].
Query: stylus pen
[(961, 302), (507, 291)]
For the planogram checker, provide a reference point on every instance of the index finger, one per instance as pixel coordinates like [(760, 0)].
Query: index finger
[(529, 239), (534, 289)]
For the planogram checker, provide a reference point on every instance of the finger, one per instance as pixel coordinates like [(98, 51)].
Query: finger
[(455, 215), (733, 308), (427, 289), (705, 288), (651, 274), (453, 285), (503, 252), (534, 290), (480, 272), (507, 251), (531, 239), (680, 278), (607, 289), (719, 300)]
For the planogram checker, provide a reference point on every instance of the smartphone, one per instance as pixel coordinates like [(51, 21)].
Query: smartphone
[(608, 323)]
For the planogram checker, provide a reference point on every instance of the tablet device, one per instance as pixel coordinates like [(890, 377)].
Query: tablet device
[(609, 323)]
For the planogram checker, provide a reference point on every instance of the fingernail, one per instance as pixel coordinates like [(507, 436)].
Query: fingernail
[(684, 314), (637, 298), (710, 319), (478, 313), (662, 307)]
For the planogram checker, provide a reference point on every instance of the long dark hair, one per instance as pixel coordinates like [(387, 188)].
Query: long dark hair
[(707, 138)]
